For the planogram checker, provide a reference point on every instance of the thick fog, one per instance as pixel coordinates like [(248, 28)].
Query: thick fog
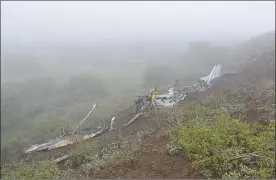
[(105, 21), (58, 38)]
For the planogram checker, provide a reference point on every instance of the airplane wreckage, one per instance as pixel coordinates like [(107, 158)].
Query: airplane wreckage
[(174, 96)]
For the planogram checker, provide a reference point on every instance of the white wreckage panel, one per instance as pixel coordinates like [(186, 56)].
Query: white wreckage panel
[(41, 147), (168, 99), (214, 74), (173, 96), (63, 141)]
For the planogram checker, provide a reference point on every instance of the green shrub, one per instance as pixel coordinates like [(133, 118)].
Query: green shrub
[(192, 113), (228, 148), (44, 170), (82, 155)]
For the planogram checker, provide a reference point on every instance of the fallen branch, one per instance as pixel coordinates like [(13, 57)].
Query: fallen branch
[(94, 106), (61, 159), (133, 119)]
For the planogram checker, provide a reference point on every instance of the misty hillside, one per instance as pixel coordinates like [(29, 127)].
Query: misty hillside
[(59, 59), (47, 99), (206, 54), (260, 46), (212, 136), (63, 59)]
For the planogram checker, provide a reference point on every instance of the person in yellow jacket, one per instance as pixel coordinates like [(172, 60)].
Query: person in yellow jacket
[(153, 94)]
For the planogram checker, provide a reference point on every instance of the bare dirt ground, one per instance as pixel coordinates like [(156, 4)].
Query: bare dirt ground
[(151, 161)]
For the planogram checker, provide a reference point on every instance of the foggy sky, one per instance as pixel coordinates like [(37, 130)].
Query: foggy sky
[(97, 21)]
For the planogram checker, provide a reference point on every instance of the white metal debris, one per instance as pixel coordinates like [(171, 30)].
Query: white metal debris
[(67, 140), (214, 74), (174, 96)]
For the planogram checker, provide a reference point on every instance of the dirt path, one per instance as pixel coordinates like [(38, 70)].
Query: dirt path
[(151, 161)]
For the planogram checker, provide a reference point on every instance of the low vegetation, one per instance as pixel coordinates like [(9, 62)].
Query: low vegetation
[(222, 147), (221, 140), (87, 159), (218, 143), (45, 170)]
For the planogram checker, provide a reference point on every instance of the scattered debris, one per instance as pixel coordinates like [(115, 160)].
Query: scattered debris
[(178, 93), (175, 95)]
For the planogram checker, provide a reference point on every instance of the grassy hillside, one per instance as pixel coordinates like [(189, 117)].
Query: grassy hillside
[(213, 136)]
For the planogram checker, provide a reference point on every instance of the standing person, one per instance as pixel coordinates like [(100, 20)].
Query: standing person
[(153, 94)]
